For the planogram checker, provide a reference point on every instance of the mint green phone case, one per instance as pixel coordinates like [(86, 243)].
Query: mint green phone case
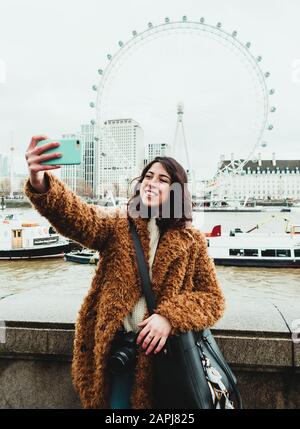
[(70, 150)]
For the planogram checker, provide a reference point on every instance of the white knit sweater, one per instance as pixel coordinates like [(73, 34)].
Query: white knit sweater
[(137, 315)]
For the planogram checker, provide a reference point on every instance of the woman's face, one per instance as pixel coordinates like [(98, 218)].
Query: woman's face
[(155, 187)]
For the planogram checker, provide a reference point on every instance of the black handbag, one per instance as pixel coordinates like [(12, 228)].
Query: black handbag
[(191, 371)]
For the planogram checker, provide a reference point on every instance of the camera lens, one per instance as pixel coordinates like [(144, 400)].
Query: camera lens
[(120, 362), (124, 356)]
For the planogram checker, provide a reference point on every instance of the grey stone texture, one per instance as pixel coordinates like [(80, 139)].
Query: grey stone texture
[(259, 339)]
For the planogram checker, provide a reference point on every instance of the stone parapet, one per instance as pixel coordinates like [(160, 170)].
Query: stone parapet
[(36, 344)]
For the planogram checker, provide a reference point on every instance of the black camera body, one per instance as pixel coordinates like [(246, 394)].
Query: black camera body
[(123, 352)]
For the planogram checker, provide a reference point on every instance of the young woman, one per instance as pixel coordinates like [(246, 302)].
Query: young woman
[(183, 276)]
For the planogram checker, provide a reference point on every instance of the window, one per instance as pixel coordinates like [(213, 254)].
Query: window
[(283, 252), (250, 252), (243, 252), (268, 252), (236, 252), (297, 253)]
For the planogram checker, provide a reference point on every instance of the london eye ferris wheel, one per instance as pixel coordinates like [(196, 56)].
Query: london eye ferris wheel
[(229, 40)]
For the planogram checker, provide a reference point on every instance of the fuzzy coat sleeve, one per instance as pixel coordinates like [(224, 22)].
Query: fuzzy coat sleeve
[(201, 306), (84, 223)]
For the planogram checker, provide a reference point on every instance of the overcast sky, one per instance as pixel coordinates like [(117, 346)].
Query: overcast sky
[(50, 51)]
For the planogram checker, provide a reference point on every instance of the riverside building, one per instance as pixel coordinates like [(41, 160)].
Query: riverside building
[(261, 180)]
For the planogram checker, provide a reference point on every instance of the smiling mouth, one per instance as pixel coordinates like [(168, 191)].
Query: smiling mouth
[(151, 193)]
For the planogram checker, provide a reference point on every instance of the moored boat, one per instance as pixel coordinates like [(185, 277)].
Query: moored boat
[(29, 240), (247, 249), (82, 257)]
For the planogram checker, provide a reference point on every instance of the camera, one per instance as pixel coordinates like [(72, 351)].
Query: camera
[(123, 352)]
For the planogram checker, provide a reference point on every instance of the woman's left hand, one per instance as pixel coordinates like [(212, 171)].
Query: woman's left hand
[(154, 334)]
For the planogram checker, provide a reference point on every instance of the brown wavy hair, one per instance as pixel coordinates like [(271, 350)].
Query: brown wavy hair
[(178, 176)]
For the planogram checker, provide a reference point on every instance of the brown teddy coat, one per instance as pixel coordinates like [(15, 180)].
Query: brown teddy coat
[(184, 282)]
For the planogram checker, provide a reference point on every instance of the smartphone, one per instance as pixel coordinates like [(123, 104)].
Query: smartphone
[(70, 149)]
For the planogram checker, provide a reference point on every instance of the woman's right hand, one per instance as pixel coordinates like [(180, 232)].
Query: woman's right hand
[(34, 156)]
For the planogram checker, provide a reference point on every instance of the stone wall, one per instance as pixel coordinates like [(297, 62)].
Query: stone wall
[(35, 363)]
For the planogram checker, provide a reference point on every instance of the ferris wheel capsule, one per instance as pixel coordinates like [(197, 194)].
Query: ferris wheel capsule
[(248, 44), (258, 59), (167, 20), (267, 74), (219, 25), (150, 25), (95, 88), (270, 127), (109, 57), (202, 20), (134, 33), (92, 121), (100, 71), (234, 33), (272, 91), (264, 144), (184, 18), (121, 44), (92, 104), (273, 109)]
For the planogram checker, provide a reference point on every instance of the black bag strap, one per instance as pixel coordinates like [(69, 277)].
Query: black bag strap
[(143, 269)]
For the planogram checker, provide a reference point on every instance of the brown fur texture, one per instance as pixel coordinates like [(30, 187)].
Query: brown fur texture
[(184, 283)]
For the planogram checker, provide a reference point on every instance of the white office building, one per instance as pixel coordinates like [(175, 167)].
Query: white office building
[(80, 178), (155, 149), (73, 175), (87, 138), (4, 165), (262, 180), (120, 156)]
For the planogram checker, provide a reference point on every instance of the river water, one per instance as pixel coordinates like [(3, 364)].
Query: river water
[(283, 284)]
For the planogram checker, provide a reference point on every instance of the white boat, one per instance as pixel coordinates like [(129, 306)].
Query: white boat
[(27, 240), (248, 249)]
